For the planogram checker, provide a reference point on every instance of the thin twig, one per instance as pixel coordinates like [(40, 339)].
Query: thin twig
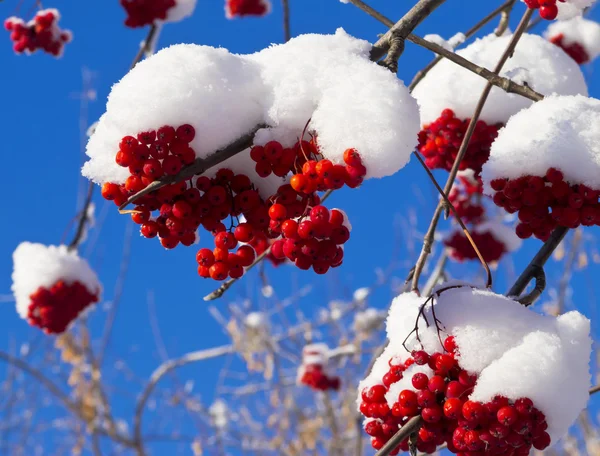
[(198, 167), (538, 261), (459, 220), (285, 4), (563, 284), (164, 369), (147, 44), (429, 236), (83, 218), (504, 19), (540, 285), (405, 431)]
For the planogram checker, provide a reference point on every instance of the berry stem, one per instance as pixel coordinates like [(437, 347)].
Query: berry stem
[(413, 425)]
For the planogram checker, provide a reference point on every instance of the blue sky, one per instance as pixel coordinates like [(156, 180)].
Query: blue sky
[(42, 155)]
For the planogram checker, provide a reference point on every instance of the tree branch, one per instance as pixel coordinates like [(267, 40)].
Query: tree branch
[(404, 432), (83, 218), (429, 236), (392, 42), (285, 4)]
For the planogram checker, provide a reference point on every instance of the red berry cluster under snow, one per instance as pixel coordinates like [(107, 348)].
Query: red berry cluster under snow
[(145, 12), (548, 8), (54, 308), (575, 50), (313, 370), (440, 140), (498, 427), (42, 32), (303, 231), (543, 203), (467, 199), (240, 8)]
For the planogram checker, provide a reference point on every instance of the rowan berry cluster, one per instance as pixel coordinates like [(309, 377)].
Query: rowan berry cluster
[(543, 203), (460, 247), (441, 398), (575, 50), (53, 309), (467, 199), (311, 172), (240, 8), (312, 371), (146, 12), (440, 141), (292, 222), (548, 8), (42, 32)]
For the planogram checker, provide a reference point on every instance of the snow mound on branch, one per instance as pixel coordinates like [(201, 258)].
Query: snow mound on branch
[(181, 10), (577, 30), (351, 102), (572, 8), (557, 132), (545, 68), (515, 351), (38, 265)]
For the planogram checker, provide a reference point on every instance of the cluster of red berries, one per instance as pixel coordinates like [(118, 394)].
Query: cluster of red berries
[(42, 32), (575, 50), (543, 203), (240, 8), (467, 200), (440, 140), (548, 8), (145, 12), (291, 222), (461, 249), (312, 371), (52, 309), (498, 427), (310, 171)]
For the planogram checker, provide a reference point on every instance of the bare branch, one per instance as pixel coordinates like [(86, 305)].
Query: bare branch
[(392, 42), (83, 219), (540, 284), (285, 4)]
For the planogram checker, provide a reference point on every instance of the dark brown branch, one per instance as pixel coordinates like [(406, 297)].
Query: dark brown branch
[(392, 42), (285, 4), (594, 389), (429, 236), (540, 284), (83, 219), (404, 432), (199, 166), (538, 261)]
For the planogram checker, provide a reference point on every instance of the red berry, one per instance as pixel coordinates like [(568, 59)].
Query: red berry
[(453, 408), (185, 133), (219, 271), (437, 384), (375, 393), (420, 381), (278, 212), (473, 411), (507, 415)]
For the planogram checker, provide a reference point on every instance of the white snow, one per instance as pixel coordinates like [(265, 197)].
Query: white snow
[(225, 96), (515, 351), (368, 320), (447, 85), (361, 294), (450, 44), (181, 10), (577, 30), (256, 320), (572, 8), (559, 132), (38, 265), (219, 413)]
